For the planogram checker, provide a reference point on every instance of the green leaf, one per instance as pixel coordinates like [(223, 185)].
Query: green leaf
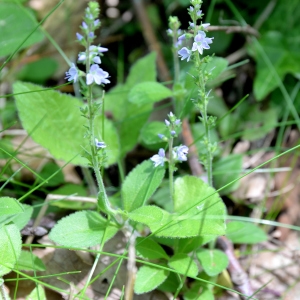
[(170, 284), (47, 170), (149, 249), (245, 233), (148, 278), (212, 261), (10, 245), (184, 264), (82, 229), (10, 206), (16, 23), (37, 293), (55, 122), (198, 292), (207, 213), (149, 135), (187, 245), (29, 262), (140, 184), (21, 220), (148, 92), (143, 70), (226, 170)]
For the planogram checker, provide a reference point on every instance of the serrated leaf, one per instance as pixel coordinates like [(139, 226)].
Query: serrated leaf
[(183, 264), (140, 184), (187, 245), (82, 229), (55, 122), (149, 249), (10, 206), (20, 219), (10, 245), (28, 261), (16, 24), (170, 284), (245, 233), (148, 278), (148, 93), (208, 217), (212, 261)]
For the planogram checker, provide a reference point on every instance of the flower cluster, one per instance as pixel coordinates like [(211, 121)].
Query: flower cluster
[(200, 42), (179, 155), (91, 57)]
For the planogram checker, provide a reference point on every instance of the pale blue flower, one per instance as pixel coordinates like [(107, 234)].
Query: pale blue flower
[(97, 75), (96, 22), (159, 159), (180, 153), (99, 144), (191, 8), (199, 12), (170, 31), (167, 122), (201, 42), (72, 74), (93, 57), (173, 132), (177, 122), (161, 136), (91, 35), (192, 24), (185, 53), (84, 25), (181, 38), (79, 36), (102, 49), (205, 25)]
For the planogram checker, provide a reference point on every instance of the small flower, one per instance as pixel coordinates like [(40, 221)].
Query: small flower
[(173, 132), (199, 12), (169, 31), (99, 145), (180, 153), (102, 49), (171, 114), (96, 22), (91, 35), (161, 136), (84, 25), (201, 42), (191, 8), (205, 25), (97, 75), (72, 74), (159, 159), (167, 122), (177, 122), (181, 38), (79, 36), (192, 24), (185, 53)]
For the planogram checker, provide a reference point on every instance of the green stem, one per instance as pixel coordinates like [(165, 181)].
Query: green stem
[(171, 169)]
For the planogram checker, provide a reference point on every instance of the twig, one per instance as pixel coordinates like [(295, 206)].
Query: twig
[(230, 29), (131, 268)]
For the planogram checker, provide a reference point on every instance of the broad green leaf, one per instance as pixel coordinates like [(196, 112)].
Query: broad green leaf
[(183, 264), (212, 261), (10, 206), (143, 70), (170, 284), (226, 170), (148, 248), (149, 135), (148, 92), (148, 278), (55, 122), (188, 245), (10, 245), (245, 233), (16, 23), (115, 101), (200, 206), (198, 292), (38, 71), (140, 184), (22, 219), (28, 261), (37, 293), (82, 229)]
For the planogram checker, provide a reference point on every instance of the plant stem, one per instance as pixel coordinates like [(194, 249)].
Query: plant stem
[(171, 169)]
